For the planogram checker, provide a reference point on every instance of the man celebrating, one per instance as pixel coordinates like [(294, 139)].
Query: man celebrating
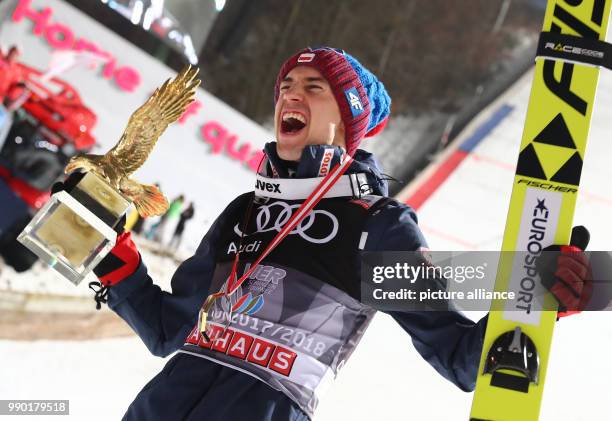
[(267, 310)]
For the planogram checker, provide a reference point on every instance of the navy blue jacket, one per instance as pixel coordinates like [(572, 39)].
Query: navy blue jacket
[(196, 388)]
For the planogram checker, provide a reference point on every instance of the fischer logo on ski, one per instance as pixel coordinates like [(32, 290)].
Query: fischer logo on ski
[(535, 159)]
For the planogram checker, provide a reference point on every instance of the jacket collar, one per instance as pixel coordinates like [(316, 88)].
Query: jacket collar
[(317, 160)]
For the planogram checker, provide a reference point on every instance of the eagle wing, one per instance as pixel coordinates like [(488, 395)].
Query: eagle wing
[(148, 122)]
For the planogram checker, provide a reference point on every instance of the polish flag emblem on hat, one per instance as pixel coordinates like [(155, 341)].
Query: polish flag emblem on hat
[(306, 57)]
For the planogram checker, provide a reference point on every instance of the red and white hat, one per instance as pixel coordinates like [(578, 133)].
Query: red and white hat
[(363, 101)]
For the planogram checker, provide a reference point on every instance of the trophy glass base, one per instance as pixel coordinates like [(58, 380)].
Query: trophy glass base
[(68, 237)]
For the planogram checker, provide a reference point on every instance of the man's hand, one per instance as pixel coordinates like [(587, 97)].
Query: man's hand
[(567, 274), (69, 183), (121, 262)]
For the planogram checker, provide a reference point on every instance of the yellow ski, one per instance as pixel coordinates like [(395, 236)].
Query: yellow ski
[(541, 211)]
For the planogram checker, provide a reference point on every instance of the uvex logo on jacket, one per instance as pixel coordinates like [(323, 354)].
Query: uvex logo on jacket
[(264, 185)]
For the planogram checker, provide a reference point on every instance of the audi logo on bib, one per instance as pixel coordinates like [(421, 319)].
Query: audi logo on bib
[(274, 216)]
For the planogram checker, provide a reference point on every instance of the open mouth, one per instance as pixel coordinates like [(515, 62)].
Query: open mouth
[(292, 123)]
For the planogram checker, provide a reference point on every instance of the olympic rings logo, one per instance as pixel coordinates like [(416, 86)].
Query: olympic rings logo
[(264, 223)]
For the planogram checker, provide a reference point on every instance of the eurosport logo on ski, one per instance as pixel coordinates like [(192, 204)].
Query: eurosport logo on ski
[(537, 228)]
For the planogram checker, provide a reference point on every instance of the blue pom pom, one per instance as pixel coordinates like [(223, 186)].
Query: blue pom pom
[(380, 102)]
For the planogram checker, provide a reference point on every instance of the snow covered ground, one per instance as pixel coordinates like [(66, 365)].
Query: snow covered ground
[(385, 379)]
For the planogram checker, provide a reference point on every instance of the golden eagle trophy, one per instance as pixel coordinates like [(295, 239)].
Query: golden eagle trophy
[(77, 227)]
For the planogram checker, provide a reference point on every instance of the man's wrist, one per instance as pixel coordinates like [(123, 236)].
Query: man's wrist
[(120, 263)]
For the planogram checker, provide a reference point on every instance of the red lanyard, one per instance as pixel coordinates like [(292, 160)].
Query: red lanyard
[(233, 284)]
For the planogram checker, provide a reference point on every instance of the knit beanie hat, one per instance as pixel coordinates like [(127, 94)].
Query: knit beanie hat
[(363, 101)]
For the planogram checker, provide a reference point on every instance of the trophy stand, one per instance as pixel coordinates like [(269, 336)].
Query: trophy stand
[(75, 229)]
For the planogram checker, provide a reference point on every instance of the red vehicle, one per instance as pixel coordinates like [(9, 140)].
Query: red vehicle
[(50, 126)]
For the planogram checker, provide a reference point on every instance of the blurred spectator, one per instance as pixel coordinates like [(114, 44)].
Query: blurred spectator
[(186, 215), (10, 74), (156, 232), (138, 225), (152, 228), (132, 218)]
